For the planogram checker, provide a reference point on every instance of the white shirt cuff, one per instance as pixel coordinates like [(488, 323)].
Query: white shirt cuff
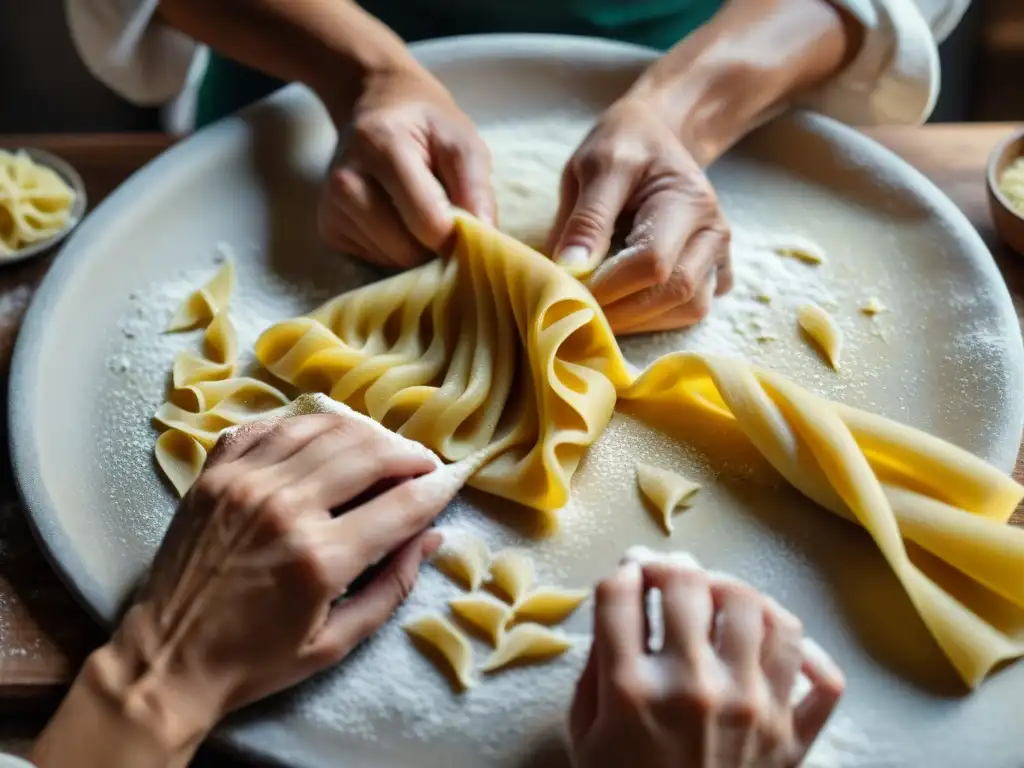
[(895, 76), (144, 62)]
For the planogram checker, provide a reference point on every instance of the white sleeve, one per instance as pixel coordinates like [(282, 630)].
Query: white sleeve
[(895, 77), (10, 761), (123, 46)]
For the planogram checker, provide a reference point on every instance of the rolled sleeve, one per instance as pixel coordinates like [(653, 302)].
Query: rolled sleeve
[(895, 77), (124, 47)]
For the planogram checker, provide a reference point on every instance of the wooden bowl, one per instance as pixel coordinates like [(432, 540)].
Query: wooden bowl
[(1008, 222)]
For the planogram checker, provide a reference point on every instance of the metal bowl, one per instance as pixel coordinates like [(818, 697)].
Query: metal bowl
[(74, 180)]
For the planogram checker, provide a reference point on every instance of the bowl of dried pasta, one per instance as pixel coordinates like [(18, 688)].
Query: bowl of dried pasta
[(1005, 181), (42, 198)]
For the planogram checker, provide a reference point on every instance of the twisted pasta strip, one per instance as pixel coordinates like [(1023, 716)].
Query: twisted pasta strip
[(497, 349)]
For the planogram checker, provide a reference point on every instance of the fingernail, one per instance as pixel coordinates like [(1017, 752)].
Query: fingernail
[(631, 571), (432, 541), (819, 658), (574, 256)]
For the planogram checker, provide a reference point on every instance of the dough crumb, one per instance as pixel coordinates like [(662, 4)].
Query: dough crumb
[(665, 490), (873, 307), (822, 329)]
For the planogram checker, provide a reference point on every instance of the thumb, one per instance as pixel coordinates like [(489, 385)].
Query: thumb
[(587, 232), (356, 618)]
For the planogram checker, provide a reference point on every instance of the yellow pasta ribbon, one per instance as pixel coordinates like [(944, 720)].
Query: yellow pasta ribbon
[(494, 348)]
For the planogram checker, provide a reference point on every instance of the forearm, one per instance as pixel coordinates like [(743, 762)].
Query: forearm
[(112, 718), (750, 57), (333, 46)]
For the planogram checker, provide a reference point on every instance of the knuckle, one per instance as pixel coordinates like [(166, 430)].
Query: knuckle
[(699, 700), (239, 494), (657, 265), (608, 157), (743, 712), (344, 184), (613, 589), (211, 484), (591, 219), (282, 504), (274, 519), (629, 687), (311, 565)]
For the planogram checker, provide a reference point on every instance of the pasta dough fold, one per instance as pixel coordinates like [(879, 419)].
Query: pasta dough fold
[(495, 349)]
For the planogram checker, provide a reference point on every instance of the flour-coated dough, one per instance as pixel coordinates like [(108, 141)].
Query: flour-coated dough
[(527, 643), (665, 490), (450, 645), (549, 605), (203, 304), (485, 613), (220, 353), (512, 574), (463, 557), (824, 331)]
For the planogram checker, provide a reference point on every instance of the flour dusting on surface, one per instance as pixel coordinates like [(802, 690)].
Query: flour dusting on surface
[(387, 698)]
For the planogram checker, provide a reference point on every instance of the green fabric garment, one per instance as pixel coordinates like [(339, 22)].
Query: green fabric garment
[(659, 24)]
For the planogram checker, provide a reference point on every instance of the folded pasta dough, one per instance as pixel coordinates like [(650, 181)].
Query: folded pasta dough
[(497, 349)]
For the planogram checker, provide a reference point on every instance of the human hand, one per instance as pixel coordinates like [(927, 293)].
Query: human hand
[(239, 603), (717, 695), (633, 165), (409, 153)]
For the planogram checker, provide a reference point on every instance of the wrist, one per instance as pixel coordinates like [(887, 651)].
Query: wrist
[(710, 103), (752, 56), (369, 54), (129, 714)]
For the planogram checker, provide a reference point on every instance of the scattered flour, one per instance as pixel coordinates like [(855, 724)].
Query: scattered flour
[(387, 698)]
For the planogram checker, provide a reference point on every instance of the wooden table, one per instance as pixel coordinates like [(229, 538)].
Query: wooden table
[(44, 634)]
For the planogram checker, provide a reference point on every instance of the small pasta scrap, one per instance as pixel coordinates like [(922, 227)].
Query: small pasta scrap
[(512, 574), (823, 330), (446, 642), (180, 457), (527, 643), (463, 557), (665, 490), (873, 307), (207, 301), (800, 248), (220, 352), (484, 613), (549, 605)]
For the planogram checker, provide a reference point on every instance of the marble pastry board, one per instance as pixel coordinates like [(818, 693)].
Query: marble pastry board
[(948, 358)]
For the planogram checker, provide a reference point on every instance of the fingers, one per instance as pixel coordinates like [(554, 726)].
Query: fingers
[(402, 169), (341, 233), (356, 618), (739, 630), (662, 279), (363, 204), (657, 310), (687, 609), (366, 534), (464, 165), (234, 442), (583, 711), (586, 233), (827, 686), (619, 620), (782, 653)]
